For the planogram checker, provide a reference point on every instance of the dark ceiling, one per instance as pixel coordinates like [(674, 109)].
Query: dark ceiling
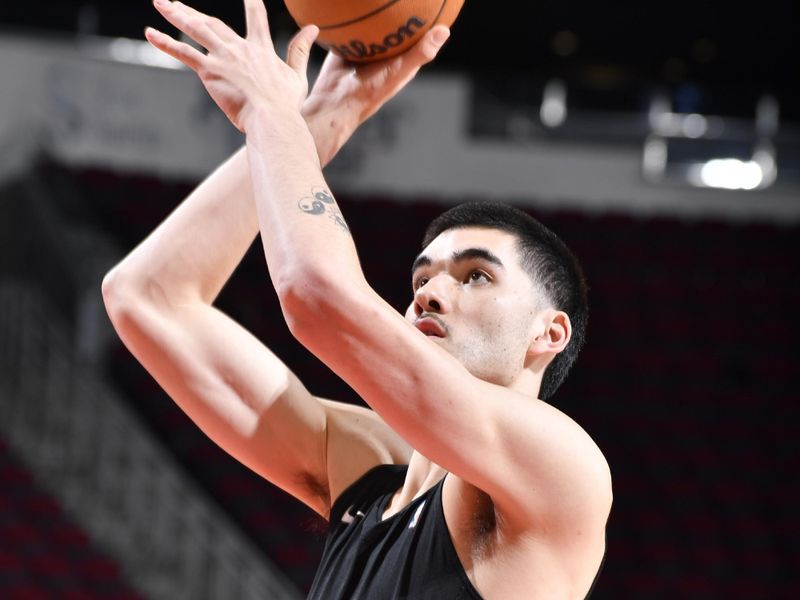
[(704, 42)]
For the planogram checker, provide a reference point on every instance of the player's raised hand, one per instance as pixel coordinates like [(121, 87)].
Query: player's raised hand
[(347, 94), (369, 86), (240, 74)]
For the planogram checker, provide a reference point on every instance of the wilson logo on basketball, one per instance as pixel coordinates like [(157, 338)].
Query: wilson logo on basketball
[(358, 50)]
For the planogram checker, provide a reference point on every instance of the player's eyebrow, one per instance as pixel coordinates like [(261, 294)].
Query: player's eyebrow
[(459, 256), (481, 253), (420, 261)]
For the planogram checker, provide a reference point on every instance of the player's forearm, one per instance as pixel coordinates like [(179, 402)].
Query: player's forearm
[(193, 253), (190, 255), (331, 124), (309, 241)]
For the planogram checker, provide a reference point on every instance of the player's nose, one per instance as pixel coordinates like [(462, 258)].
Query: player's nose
[(433, 297)]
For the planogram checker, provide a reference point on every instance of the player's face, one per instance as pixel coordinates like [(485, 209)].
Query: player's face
[(472, 297)]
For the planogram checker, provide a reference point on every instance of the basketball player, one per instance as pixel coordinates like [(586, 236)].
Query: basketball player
[(461, 483)]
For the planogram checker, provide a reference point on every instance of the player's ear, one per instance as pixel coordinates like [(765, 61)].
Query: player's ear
[(553, 334)]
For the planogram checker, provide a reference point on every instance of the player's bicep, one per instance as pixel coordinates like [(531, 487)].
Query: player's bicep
[(237, 391)]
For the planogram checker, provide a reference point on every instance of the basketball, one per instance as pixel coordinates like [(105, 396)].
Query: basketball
[(368, 30)]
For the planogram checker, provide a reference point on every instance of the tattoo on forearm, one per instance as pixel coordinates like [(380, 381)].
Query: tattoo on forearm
[(322, 203)]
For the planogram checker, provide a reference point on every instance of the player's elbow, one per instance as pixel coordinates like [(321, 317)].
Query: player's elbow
[(119, 295), (310, 303), (125, 293), (111, 290), (299, 297)]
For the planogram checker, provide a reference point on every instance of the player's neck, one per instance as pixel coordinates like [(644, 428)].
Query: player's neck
[(422, 475), (527, 383)]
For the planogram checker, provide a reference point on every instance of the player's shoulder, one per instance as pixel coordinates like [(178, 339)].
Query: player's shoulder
[(589, 471), (360, 424), (591, 462), (547, 474), (358, 440)]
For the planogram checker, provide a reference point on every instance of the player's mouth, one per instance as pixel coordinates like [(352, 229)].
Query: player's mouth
[(430, 326)]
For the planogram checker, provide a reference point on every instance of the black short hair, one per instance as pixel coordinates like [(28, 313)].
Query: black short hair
[(548, 261)]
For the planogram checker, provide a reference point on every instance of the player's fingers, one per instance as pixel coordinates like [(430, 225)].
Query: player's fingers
[(300, 49), (406, 65), (221, 30), (428, 47), (256, 18), (181, 51), (190, 21), (334, 62)]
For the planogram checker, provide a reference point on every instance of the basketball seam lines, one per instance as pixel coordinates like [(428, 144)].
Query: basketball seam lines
[(362, 17), (441, 10)]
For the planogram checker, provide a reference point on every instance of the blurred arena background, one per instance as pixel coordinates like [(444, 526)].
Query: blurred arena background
[(661, 140)]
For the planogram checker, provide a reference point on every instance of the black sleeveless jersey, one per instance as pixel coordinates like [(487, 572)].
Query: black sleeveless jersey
[(408, 556)]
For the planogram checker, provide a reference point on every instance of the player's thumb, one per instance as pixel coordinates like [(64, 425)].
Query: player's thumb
[(300, 48), (429, 46)]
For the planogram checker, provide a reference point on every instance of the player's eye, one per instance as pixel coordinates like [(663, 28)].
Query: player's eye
[(478, 277), (419, 283)]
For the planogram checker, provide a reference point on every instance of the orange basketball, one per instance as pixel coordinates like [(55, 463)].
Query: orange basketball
[(367, 30)]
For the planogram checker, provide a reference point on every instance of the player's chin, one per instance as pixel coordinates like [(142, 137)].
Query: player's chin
[(434, 336)]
